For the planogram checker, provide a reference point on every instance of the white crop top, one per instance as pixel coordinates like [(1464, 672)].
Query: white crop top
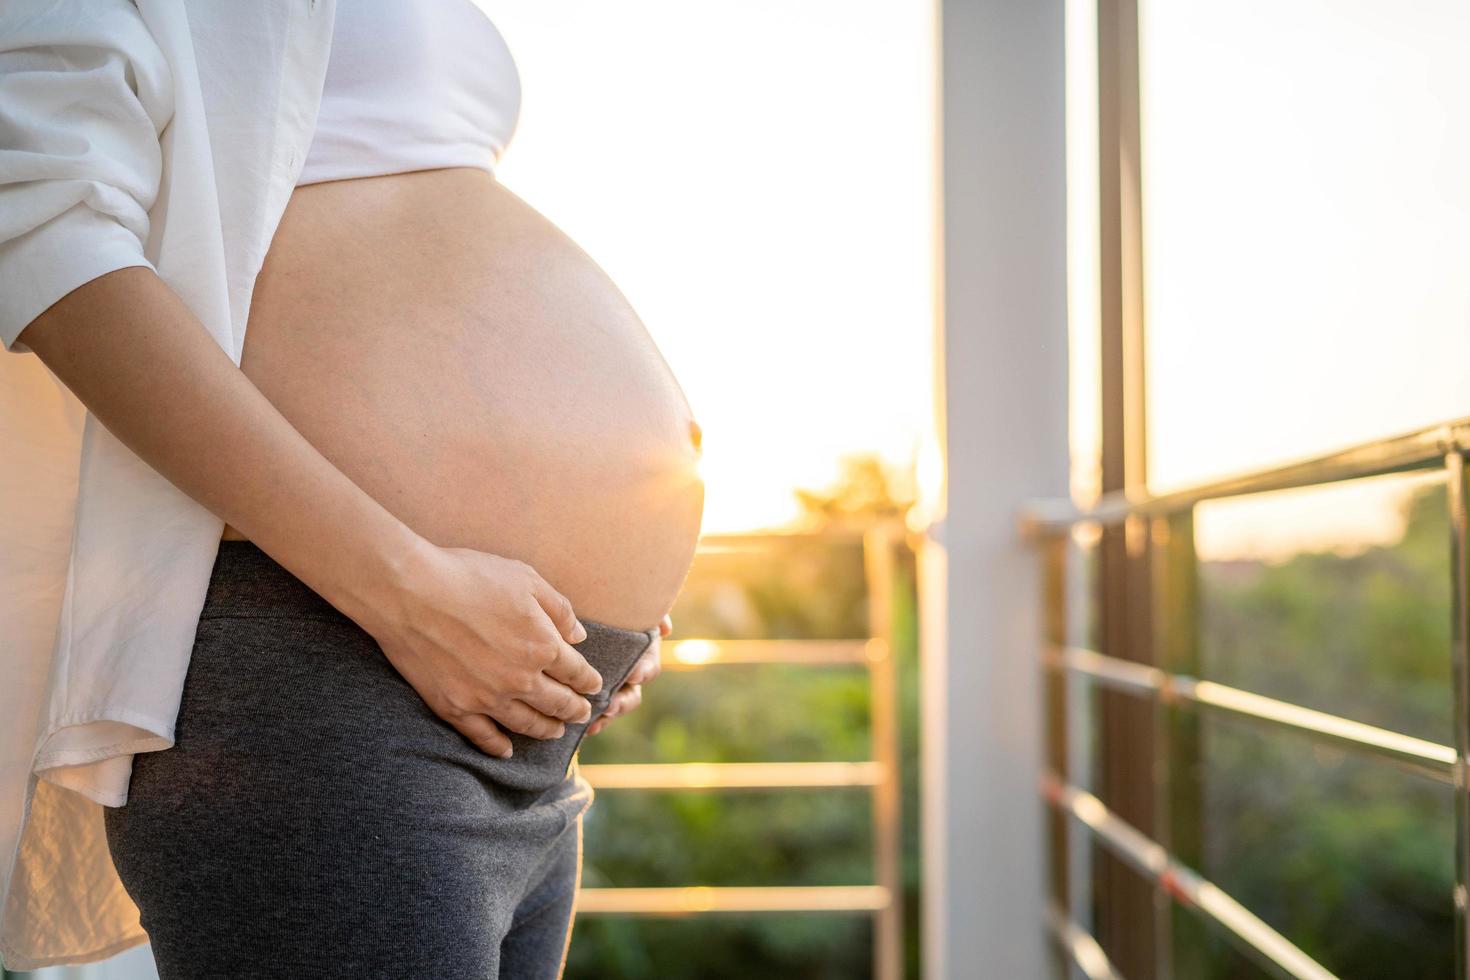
[(413, 85)]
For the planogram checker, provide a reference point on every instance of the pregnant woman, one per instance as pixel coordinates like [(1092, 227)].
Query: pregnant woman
[(455, 492)]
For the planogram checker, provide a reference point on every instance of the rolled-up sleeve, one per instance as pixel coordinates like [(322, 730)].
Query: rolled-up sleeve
[(85, 96)]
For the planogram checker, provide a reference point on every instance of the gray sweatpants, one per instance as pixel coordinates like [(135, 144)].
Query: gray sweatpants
[(315, 819)]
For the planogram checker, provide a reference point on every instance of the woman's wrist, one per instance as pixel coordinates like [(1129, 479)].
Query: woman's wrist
[(369, 590)]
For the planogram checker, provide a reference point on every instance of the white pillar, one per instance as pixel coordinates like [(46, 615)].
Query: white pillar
[(1003, 339)]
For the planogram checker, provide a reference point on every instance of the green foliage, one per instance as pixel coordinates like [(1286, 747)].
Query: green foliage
[(746, 713), (782, 947), (1351, 858)]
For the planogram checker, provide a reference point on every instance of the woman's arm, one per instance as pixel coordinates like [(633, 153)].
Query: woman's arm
[(87, 93), (133, 353), (474, 633)]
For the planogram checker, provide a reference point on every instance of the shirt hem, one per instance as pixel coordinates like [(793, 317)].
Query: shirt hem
[(17, 961), (153, 736), (325, 176)]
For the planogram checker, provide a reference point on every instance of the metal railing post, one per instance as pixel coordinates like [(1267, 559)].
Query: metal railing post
[(1083, 712), (1460, 676), (887, 840), (1054, 684), (1163, 615)]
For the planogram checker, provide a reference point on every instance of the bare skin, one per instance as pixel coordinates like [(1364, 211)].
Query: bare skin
[(409, 553), (469, 366)]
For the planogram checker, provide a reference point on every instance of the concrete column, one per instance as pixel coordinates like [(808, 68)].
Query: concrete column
[(1003, 350)]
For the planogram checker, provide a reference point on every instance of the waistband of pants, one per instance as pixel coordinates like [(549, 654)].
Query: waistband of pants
[(248, 582)]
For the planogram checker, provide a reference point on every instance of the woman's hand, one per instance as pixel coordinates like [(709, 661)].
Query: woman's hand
[(475, 634), (479, 637), (630, 695)]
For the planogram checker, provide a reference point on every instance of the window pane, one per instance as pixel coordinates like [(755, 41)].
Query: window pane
[(1306, 226)]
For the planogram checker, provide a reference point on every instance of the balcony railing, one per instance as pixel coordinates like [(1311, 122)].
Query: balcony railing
[(883, 899), (1159, 529)]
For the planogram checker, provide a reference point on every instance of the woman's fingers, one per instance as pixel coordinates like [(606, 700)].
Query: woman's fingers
[(648, 666), (630, 694), (573, 670), (517, 716), (569, 666), (556, 699), (558, 607), (628, 697), (520, 717), (483, 734)]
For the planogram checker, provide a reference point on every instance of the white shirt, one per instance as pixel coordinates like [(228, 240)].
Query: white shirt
[(413, 85), (170, 135)]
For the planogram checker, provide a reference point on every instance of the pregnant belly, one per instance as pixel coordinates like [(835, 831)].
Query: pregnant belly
[(471, 368)]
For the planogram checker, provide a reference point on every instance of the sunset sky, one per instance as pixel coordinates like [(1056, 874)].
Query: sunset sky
[(755, 176), (1306, 169)]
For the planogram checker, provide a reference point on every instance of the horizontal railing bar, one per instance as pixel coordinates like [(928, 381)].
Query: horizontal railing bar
[(1113, 672), (1080, 946), (1182, 883), (685, 654), (700, 898), (760, 540), (1422, 756), (1419, 449), (1439, 759), (733, 775)]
